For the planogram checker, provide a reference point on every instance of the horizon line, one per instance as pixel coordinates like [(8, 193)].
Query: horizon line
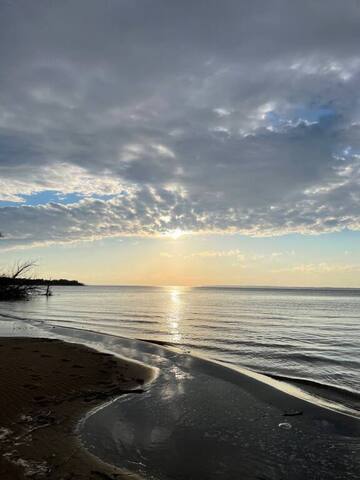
[(283, 287)]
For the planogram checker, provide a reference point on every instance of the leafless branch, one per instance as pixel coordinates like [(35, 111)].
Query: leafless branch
[(23, 268)]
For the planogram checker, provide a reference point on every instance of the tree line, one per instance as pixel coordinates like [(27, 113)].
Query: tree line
[(20, 285)]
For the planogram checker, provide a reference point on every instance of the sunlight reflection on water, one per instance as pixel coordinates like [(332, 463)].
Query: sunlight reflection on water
[(175, 314), (311, 335)]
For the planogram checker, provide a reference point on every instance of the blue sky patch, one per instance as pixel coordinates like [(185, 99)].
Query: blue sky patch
[(48, 196), (51, 196), (304, 113), (313, 114)]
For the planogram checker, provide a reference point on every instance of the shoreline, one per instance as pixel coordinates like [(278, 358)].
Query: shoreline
[(307, 390), (255, 426), (201, 419), (48, 385), (335, 388)]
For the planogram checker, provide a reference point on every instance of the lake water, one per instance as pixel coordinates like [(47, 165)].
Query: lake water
[(308, 336)]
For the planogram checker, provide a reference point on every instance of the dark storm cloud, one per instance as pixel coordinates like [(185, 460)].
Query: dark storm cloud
[(209, 116)]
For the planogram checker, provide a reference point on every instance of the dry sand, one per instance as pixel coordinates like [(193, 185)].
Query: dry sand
[(46, 386)]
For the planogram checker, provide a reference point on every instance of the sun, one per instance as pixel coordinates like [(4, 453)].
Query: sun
[(177, 233)]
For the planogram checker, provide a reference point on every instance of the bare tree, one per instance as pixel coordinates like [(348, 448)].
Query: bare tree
[(22, 268), (16, 285)]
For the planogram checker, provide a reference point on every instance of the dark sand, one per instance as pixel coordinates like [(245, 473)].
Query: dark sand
[(46, 386)]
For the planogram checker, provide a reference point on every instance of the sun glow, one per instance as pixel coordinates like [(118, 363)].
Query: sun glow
[(177, 233)]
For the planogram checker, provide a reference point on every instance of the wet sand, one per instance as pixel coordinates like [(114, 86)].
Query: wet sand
[(46, 386), (198, 420), (203, 420)]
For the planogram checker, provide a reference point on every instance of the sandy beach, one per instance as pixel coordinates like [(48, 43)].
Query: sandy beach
[(198, 419), (46, 386)]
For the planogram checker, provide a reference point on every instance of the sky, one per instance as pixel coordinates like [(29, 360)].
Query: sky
[(181, 143)]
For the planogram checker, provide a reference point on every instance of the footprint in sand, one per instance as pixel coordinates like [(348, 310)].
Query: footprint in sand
[(30, 386), (39, 397)]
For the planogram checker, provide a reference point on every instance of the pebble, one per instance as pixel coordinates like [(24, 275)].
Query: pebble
[(285, 426)]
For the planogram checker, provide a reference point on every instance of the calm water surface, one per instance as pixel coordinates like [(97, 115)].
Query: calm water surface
[(311, 335)]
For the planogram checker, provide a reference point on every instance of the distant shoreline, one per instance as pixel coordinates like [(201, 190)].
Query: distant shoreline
[(44, 282)]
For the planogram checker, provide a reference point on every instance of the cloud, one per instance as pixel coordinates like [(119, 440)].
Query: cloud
[(202, 116), (232, 253), (322, 267), (236, 253)]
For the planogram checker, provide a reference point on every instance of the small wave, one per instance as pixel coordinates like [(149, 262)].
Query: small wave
[(14, 317), (333, 392), (306, 358), (162, 343)]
